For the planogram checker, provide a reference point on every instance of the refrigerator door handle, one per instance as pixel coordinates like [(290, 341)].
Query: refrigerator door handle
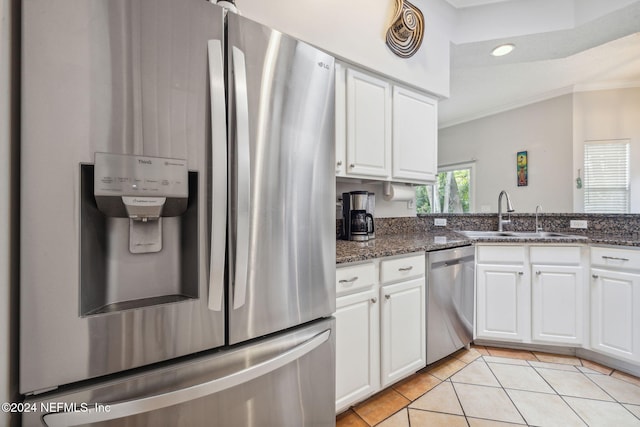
[(151, 403), (243, 178), (218, 174)]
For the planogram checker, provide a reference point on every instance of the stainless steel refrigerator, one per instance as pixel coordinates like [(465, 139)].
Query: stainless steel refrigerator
[(177, 218)]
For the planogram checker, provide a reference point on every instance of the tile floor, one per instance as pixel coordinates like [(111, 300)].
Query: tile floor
[(494, 387)]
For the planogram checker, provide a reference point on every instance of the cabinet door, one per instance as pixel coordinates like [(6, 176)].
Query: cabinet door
[(503, 302), (402, 322), (341, 119), (615, 313), (557, 304), (415, 136), (368, 126), (357, 347)]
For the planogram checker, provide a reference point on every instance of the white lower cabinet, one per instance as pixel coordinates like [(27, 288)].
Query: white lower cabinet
[(557, 304), (503, 302), (380, 329), (615, 303), (357, 344), (531, 294), (402, 329)]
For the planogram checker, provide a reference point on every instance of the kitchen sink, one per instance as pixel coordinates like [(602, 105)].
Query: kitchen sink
[(518, 235)]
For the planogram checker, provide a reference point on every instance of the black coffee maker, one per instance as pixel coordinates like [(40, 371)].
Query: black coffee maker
[(357, 223)]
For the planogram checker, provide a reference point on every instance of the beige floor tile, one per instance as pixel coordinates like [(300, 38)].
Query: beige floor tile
[(597, 413), (510, 353), (520, 378), (476, 373), (487, 402), (559, 366), (557, 358), (541, 409), (506, 360), (416, 385), (420, 418), (621, 391), (350, 419), (596, 367), (381, 406), (634, 409), (445, 368), (466, 356), (441, 399), (399, 419), (626, 377), (480, 349), (478, 422), (574, 384)]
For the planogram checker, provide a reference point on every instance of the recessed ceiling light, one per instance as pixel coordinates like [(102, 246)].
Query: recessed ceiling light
[(503, 49)]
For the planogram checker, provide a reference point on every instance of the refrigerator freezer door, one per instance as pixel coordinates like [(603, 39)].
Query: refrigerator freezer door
[(285, 380), (282, 188), (126, 77)]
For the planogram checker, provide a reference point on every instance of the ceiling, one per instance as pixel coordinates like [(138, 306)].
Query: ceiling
[(603, 53)]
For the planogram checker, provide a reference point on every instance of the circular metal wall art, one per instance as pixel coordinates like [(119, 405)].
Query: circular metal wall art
[(404, 36)]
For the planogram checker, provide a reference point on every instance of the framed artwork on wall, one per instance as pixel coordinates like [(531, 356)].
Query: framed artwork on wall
[(522, 165)]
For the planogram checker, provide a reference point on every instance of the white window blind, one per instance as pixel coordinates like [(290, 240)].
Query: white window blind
[(606, 177)]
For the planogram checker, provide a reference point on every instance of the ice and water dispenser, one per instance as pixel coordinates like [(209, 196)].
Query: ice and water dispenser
[(139, 233)]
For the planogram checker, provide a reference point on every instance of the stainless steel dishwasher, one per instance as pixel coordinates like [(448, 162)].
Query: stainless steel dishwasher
[(450, 294)]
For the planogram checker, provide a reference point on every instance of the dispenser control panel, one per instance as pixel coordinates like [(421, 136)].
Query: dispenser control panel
[(127, 175)]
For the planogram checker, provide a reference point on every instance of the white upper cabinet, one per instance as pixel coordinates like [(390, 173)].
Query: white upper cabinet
[(341, 120), (384, 132), (368, 126), (415, 136)]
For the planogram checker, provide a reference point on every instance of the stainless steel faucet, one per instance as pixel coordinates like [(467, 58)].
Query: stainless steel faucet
[(538, 225), (501, 221)]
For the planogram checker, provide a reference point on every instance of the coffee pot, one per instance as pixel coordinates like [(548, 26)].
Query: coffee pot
[(357, 223)]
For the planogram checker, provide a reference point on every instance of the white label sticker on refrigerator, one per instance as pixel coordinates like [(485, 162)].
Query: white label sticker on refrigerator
[(124, 175)]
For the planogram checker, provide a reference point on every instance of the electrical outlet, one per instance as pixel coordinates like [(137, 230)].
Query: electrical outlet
[(440, 222), (574, 223)]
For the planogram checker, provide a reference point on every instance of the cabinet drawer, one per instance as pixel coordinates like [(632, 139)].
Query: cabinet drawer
[(501, 254), (555, 255), (612, 257), (402, 268), (354, 277)]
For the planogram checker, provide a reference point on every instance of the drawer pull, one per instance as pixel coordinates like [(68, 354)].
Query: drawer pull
[(595, 276), (387, 296), (520, 273), (353, 279), (538, 273), (406, 268), (374, 300), (615, 258)]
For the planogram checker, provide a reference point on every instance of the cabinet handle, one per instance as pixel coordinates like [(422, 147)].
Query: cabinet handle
[(374, 300), (520, 273), (538, 273), (339, 163), (595, 276), (615, 258), (387, 296), (406, 268), (353, 279), (352, 165)]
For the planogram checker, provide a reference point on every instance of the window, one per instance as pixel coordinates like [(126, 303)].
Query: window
[(606, 176), (452, 192)]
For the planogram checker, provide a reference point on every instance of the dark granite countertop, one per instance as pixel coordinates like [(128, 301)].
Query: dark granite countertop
[(398, 244)]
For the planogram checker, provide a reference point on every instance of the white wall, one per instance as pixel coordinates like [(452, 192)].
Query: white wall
[(383, 209), (6, 348), (544, 129), (605, 115), (355, 31)]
